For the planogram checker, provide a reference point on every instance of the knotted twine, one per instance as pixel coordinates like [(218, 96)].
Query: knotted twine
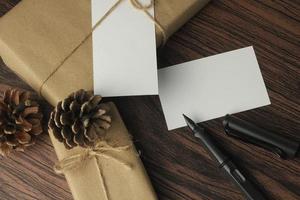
[(99, 151), (137, 5)]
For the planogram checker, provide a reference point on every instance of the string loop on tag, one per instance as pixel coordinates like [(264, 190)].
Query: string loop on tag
[(140, 6)]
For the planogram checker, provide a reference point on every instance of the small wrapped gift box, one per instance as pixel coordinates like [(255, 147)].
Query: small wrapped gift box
[(114, 172), (37, 36)]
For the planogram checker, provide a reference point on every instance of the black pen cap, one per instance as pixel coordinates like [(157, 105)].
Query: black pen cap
[(280, 145)]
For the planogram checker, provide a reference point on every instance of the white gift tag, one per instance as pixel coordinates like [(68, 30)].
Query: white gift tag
[(211, 87), (124, 50)]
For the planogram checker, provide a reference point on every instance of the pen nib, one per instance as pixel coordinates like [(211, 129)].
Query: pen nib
[(191, 124)]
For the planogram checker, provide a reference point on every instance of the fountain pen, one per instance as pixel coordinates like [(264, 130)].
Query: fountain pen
[(224, 161)]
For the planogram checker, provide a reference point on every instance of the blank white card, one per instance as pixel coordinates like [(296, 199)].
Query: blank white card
[(124, 50), (212, 87)]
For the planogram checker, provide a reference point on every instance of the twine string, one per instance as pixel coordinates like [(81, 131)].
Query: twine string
[(139, 6), (136, 4), (100, 151)]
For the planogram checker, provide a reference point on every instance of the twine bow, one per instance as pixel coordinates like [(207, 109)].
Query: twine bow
[(137, 5), (99, 151)]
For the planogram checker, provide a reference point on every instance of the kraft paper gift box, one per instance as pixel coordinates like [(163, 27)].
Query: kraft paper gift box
[(36, 36)]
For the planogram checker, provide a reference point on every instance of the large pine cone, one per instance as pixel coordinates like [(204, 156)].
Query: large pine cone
[(20, 120), (80, 120)]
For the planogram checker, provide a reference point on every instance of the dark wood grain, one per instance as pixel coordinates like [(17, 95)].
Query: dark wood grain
[(178, 166)]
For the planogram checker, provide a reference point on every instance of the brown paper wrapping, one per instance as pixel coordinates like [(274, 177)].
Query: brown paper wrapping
[(122, 183), (36, 36)]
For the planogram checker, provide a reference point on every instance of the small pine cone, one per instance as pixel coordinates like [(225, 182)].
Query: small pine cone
[(20, 120), (80, 120)]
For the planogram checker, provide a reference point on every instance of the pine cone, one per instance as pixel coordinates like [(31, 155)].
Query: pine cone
[(80, 120), (20, 120)]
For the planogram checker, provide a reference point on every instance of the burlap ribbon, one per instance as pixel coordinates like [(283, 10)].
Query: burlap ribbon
[(100, 151), (136, 5)]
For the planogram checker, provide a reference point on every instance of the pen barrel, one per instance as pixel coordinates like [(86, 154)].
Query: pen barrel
[(284, 147), (215, 152), (248, 189)]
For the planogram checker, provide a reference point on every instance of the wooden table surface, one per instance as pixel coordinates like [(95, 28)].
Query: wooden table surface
[(177, 164)]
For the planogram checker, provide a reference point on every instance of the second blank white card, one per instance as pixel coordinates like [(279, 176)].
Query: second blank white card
[(211, 87)]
